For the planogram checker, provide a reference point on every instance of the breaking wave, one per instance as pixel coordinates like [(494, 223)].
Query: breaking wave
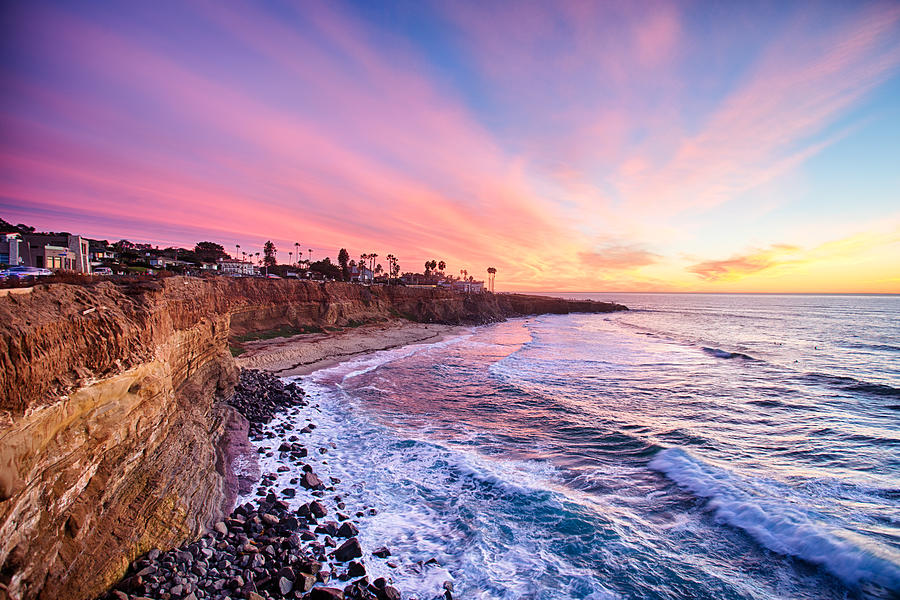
[(718, 353), (778, 524)]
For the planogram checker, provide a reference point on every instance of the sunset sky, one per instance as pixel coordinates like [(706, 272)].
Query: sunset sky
[(575, 146)]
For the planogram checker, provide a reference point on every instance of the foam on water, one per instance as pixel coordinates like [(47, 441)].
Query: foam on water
[(778, 525), (435, 501), (368, 363), (719, 353)]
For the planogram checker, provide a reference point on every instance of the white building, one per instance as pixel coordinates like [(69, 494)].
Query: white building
[(469, 287), (361, 274), (230, 266), (160, 262)]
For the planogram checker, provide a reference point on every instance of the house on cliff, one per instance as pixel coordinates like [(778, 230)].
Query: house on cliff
[(468, 287), (361, 274), (237, 268), (9, 249), (63, 251), (161, 262)]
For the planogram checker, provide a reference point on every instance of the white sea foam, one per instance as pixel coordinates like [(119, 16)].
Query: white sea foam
[(779, 525), (434, 501)]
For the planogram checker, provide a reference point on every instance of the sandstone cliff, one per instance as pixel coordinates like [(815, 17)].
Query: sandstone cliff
[(111, 439)]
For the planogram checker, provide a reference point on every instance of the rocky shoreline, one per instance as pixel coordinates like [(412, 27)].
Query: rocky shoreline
[(266, 549)]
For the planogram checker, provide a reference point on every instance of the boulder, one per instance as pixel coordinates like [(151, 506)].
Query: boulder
[(388, 593), (348, 550), (326, 593), (355, 569), (347, 530), (311, 481)]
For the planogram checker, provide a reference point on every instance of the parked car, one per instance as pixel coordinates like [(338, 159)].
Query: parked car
[(102, 271), (23, 272), (272, 276)]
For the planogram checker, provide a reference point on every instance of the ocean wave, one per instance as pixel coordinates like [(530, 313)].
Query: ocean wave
[(718, 353), (865, 346), (770, 403), (779, 525), (854, 385)]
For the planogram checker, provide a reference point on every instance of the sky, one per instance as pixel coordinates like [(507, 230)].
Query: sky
[(574, 146)]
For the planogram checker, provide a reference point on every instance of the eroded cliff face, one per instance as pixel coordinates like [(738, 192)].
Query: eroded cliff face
[(112, 441), (110, 437)]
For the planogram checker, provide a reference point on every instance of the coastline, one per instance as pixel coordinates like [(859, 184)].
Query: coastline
[(302, 354), (124, 385)]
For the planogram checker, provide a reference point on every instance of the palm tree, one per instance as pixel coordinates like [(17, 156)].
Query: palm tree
[(363, 259), (492, 272), (390, 259), (297, 248), (237, 252), (441, 266)]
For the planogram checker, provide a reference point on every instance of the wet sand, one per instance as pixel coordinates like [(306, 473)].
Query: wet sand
[(303, 354)]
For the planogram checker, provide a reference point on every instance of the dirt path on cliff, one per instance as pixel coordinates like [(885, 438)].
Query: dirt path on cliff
[(303, 354)]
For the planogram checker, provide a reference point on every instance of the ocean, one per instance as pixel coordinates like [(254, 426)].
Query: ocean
[(697, 446)]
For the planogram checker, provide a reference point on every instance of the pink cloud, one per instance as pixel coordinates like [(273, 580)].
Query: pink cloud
[(349, 138), (608, 104), (659, 36), (769, 123), (406, 168), (617, 257)]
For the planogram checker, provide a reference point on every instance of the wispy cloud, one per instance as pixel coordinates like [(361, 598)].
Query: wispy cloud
[(771, 122), (740, 266), (881, 242), (377, 157), (617, 257)]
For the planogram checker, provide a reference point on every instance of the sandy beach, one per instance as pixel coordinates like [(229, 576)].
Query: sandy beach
[(303, 354)]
